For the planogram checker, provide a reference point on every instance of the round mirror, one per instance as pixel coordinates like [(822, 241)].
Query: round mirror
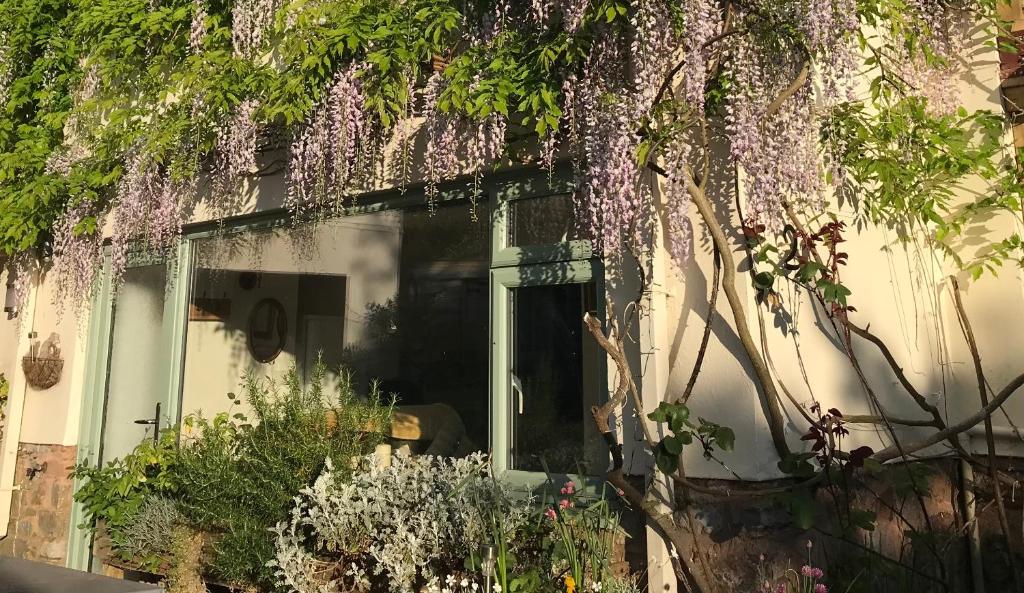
[(268, 329)]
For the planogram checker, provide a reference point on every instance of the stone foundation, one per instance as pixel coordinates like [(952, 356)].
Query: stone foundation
[(917, 542), (41, 506)]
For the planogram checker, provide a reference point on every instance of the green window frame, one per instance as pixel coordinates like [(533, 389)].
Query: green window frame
[(569, 262)]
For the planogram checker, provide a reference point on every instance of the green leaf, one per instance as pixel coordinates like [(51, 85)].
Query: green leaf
[(725, 438), (804, 508), (666, 462), (764, 280), (672, 445)]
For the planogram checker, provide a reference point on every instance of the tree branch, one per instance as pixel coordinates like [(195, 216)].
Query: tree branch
[(990, 441), (789, 91), (712, 302), (771, 400), (890, 453)]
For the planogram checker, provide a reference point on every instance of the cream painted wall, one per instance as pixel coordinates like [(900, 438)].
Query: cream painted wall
[(9, 334), (899, 290), (51, 415)]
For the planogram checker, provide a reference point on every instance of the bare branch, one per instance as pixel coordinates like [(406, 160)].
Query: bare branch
[(771, 400), (968, 423), (990, 441), (712, 302), (789, 91)]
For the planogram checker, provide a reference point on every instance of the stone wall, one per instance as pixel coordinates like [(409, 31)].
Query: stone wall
[(916, 543), (41, 507)]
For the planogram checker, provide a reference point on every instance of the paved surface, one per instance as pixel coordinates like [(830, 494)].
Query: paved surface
[(23, 576)]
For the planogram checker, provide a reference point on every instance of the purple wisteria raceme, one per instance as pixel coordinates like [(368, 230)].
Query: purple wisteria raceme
[(149, 210), (572, 14), (541, 11), (77, 253), (235, 149), (23, 267), (442, 138), (652, 51), (198, 31), (830, 27), (250, 22), (945, 30), (777, 152), (679, 233), (6, 69), (334, 149), (703, 21), (611, 203)]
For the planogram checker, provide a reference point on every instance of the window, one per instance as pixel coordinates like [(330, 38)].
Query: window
[(547, 371), (476, 321), (399, 297)]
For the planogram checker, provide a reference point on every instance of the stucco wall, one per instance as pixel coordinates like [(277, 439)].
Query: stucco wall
[(899, 290), (51, 415)]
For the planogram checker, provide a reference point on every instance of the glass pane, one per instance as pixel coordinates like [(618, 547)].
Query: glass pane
[(542, 221), (398, 297), (556, 375), (137, 377)]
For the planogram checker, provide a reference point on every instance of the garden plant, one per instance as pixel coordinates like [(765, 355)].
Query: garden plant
[(767, 121)]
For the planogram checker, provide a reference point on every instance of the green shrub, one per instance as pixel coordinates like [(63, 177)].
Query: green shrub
[(114, 493), (147, 535), (238, 479)]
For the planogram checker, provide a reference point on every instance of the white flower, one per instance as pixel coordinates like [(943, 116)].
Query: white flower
[(474, 586), (596, 586), (497, 588), (465, 582)]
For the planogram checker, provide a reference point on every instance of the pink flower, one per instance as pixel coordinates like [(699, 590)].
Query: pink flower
[(805, 570), (810, 544), (820, 588), (621, 492), (781, 588), (564, 504), (570, 487), (550, 514), (816, 573), (564, 491)]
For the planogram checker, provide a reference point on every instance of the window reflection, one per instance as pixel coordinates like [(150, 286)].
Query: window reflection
[(399, 297)]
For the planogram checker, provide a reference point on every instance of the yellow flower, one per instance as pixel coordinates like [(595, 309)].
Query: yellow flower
[(570, 584)]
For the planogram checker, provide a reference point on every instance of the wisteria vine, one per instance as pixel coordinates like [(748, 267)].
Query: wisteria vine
[(340, 88)]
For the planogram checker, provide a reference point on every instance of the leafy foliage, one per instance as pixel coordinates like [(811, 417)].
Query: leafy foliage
[(115, 492), (237, 478), (684, 432), (96, 93)]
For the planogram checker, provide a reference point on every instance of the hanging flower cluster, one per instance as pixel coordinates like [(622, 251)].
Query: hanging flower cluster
[(6, 69), (335, 148), (623, 89), (251, 20), (774, 113), (945, 29), (442, 138), (77, 253), (149, 204), (235, 151), (197, 33)]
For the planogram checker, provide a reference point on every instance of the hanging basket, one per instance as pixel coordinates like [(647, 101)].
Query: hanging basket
[(42, 373)]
